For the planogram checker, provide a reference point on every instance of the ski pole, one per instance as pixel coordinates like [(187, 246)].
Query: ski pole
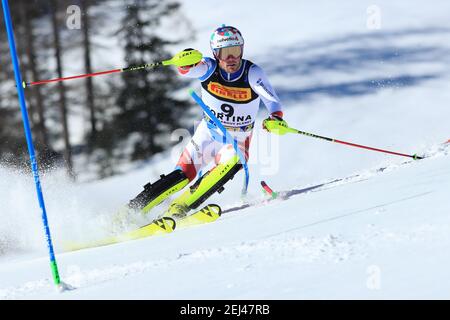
[(183, 58), (280, 129)]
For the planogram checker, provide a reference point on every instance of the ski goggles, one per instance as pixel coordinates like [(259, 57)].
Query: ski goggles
[(224, 53)]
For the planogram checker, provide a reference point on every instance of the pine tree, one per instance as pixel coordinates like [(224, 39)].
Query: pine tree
[(148, 110), (62, 88), (13, 150)]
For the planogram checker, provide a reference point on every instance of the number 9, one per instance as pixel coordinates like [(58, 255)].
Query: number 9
[(227, 109)]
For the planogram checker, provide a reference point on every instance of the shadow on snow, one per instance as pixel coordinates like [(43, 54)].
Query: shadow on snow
[(395, 59)]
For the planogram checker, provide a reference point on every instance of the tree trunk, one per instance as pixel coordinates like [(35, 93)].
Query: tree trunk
[(22, 44), (41, 130), (62, 91), (88, 68)]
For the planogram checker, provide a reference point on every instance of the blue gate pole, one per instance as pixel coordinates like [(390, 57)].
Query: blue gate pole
[(227, 136), (26, 124)]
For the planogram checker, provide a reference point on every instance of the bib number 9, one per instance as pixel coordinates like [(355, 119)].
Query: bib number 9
[(227, 110)]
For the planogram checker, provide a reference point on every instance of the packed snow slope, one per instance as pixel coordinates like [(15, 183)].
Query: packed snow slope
[(379, 234)]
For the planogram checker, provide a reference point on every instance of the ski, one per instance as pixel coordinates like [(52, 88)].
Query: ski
[(157, 227), (268, 190), (283, 195), (207, 214), (165, 225)]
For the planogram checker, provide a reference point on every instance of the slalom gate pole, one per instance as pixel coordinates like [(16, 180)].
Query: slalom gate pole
[(283, 130), (228, 137), (34, 166), (184, 58)]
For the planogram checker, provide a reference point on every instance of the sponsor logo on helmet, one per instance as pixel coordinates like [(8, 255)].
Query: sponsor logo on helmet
[(228, 39)]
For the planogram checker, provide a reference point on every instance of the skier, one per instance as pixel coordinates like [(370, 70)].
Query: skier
[(232, 88)]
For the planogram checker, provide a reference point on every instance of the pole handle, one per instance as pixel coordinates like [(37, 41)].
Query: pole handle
[(184, 58)]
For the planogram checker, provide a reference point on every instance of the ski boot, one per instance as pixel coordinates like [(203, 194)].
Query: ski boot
[(157, 192), (152, 195), (203, 188)]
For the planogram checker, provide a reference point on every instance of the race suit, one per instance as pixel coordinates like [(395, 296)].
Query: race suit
[(234, 99)]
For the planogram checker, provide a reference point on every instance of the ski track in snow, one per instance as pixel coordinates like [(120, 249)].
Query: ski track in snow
[(291, 249), (247, 256)]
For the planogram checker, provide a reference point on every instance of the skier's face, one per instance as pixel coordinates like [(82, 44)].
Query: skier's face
[(230, 58), (230, 64)]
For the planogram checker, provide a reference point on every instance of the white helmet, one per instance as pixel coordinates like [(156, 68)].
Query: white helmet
[(225, 36)]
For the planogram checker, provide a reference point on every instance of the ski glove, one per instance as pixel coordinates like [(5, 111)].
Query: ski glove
[(185, 69), (275, 124)]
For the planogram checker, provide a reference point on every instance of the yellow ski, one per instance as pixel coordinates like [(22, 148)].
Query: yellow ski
[(157, 227), (207, 214)]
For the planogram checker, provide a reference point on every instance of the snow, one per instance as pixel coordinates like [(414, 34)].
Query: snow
[(382, 234)]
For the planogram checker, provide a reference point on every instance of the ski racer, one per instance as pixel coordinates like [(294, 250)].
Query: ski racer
[(232, 88)]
